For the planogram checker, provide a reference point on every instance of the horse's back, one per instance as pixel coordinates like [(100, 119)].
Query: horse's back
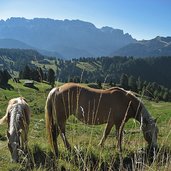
[(17, 100), (79, 91)]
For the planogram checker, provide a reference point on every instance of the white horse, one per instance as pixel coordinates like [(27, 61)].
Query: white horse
[(18, 118)]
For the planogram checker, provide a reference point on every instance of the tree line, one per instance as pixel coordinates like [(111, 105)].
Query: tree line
[(4, 77), (150, 75), (152, 90), (147, 76), (152, 69), (37, 74)]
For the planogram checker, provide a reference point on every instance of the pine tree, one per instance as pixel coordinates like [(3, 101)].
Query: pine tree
[(139, 84), (51, 77), (6, 76), (26, 72), (1, 77), (124, 81), (40, 74), (166, 96), (35, 75), (132, 83)]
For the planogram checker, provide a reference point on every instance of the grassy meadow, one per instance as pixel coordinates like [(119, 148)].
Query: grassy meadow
[(86, 154)]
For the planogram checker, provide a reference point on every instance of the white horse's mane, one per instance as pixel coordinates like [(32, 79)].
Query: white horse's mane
[(15, 115)]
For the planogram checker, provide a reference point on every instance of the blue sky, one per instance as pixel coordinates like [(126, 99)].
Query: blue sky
[(143, 19)]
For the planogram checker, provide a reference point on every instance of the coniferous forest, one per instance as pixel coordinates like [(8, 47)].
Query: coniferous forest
[(150, 76)]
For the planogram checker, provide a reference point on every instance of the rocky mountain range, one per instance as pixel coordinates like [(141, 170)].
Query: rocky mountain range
[(76, 38), (67, 38), (159, 46)]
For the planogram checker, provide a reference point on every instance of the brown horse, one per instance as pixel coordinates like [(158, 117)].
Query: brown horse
[(18, 119), (113, 106)]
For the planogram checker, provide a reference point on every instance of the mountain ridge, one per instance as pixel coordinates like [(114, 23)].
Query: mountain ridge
[(16, 44), (70, 38), (159, 46), (75, 38)]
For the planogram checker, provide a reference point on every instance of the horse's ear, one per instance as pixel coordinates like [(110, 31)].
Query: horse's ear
[(24, 99)]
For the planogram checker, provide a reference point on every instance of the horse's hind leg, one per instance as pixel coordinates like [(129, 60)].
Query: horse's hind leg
[(106, 133), (63, 136)]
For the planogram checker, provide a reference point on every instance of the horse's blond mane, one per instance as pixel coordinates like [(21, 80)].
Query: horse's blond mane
[(15, 117), (11, 103), (127, 92)]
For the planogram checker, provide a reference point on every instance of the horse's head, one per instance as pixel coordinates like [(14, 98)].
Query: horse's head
[(14, 145), (150, 131)]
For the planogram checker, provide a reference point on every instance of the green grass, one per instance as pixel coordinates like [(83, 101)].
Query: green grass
[(86, 66), (84, 139)]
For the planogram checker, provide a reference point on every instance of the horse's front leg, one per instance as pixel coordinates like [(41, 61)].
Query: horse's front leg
[(21, 138), (119, 135), (106, 133)]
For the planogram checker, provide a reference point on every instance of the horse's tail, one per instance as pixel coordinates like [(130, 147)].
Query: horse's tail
[(50, 119), (4, 119)]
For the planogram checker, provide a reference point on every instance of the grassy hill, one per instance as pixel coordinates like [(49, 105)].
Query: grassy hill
[(84, 139)]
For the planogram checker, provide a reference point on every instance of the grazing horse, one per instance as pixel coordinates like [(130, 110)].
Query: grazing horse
[(18, 119), (113, 106)]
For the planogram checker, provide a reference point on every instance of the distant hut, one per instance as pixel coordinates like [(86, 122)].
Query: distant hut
[(29, 83)]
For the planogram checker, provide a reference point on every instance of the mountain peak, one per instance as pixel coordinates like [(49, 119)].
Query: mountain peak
[(110, 29), (159, 46)]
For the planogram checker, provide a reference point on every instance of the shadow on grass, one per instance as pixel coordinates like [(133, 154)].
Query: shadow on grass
[(32, 86), (7, 87), (38, 158), (138, 160)]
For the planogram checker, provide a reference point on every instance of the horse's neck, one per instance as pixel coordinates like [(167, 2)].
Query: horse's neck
[(12, 124), (145, 116), (145, 113)]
